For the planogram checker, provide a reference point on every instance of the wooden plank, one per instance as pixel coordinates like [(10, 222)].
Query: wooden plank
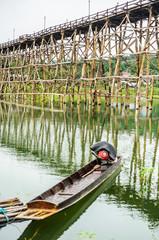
[(36, 214), (13, 207), (13, 200), (11, 204)]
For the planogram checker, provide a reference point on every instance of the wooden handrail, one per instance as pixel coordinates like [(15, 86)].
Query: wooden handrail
[(84, 20)]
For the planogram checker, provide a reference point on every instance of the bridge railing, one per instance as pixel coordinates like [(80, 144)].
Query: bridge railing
[(81, 21)]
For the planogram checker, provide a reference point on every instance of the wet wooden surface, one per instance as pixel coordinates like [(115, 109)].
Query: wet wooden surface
[(13, 207)]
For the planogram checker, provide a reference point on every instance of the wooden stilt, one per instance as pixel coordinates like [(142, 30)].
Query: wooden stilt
[(83, 59), (151, 97)]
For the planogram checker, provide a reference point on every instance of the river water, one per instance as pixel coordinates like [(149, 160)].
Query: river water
[(39, 147)]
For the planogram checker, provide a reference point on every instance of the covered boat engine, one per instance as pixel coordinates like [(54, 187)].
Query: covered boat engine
[(104, 151)]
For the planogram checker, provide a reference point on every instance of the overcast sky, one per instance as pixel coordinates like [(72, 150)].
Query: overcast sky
[(26, 16)]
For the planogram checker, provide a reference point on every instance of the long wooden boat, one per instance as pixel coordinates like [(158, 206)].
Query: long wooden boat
[(70, 190), (64, 219)]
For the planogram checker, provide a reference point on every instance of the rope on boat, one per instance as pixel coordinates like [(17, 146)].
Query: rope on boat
[(3, 211)]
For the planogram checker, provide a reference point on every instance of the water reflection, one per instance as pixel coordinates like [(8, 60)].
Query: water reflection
[(60, 140), (130, 198)]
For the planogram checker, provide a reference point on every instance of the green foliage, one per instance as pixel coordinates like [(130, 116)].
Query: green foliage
[(131, 196), (144, 173), (86, 236)]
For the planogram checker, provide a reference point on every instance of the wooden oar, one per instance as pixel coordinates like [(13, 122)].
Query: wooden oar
[(96, 155), (95, 167)]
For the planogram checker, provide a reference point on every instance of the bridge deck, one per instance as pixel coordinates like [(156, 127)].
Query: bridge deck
[(137, 9)]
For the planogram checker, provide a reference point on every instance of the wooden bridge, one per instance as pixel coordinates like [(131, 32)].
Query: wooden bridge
[(113, 54)]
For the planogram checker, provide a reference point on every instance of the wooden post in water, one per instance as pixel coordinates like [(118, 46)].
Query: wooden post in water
[(151, 97), (110, 69), (93, 70), (157, 38), (127, 96), (120, 84), (143, 59), (119, 51), (99, 93), (1, 75), (150, 126), (84, 67), (58, 71), (100, 72), (75, 69), (148, 72), (72, 60), (139, 68)]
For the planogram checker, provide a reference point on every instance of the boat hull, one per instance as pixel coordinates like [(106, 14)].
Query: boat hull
[(70, 190)]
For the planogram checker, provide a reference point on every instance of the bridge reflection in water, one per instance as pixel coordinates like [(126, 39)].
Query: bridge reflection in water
[(60, 140)]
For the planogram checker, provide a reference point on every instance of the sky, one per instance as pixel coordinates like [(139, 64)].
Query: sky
[(18, 17)]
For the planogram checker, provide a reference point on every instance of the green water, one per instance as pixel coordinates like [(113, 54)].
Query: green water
[(38, 148)]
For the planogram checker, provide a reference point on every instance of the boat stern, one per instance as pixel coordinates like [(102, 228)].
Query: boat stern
[(38, 210)]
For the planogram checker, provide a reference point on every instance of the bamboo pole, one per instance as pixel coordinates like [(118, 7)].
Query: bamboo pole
[(151, 97), (59, 58), (148, 72), (75, 68), (92, 101), (117, 49), (118, 61), (127, 96), (119, 81), (110, 70), (71, 63), (87, 42), (142, 63), (157, 39)]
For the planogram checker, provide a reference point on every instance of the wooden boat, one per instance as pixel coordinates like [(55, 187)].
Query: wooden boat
[(64, 219), (70, 190)]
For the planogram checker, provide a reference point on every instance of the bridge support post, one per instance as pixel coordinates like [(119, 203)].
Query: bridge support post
[(143, 58), (84, 67), (118, 52), (89, 59), (152, 91), (110, 69)]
